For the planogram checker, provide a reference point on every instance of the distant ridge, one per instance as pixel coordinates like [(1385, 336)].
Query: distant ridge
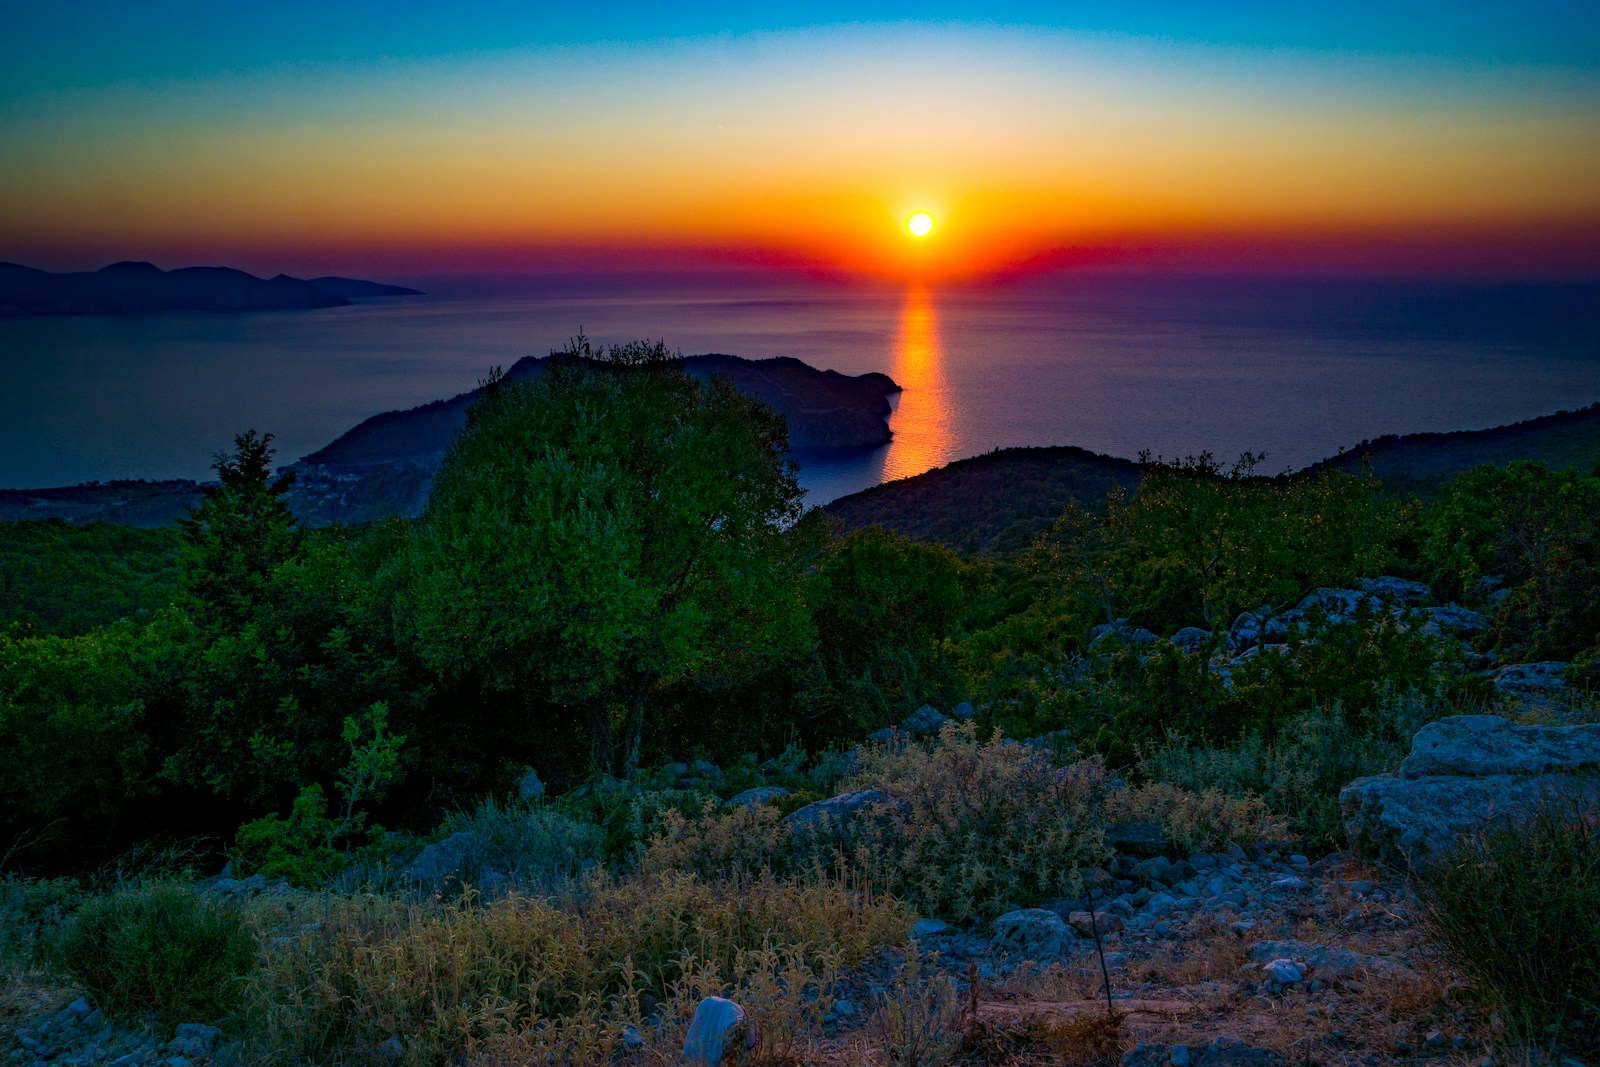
[(1416, 461), (132, 287), (355, 288)]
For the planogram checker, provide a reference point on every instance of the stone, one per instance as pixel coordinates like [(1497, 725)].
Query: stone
[(445, 859), (1033, 933), (529, 786), (844, 1007), (716, 1019), (79, 1007), (964, 712), (1333, 964), (1284, 972), (926, 721), (1222, 1052), (1453, 620), (761, 794), (1391, 590), (1465, 774), (675, 770), (391, 1049), (1191, 638), (194, 1039), (1086, 923), (1532, 680), (1137, 636), (1479, 745), (1154, 869), (835, 813), (928, 928)]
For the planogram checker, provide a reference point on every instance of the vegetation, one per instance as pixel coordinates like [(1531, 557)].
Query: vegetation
[(614, 618), (1518, 910)]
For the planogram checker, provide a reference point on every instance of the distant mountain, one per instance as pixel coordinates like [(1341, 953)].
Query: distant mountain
[(124, 288), (385, 465), (993, 504), (355, 288)]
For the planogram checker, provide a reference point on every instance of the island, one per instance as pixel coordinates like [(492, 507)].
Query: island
[(133, 287)]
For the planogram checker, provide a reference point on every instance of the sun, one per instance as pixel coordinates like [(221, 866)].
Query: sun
[(919, 224)]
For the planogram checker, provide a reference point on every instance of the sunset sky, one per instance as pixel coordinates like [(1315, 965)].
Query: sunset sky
[(407, 137)]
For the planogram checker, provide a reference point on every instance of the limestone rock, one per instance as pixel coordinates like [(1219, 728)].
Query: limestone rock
[(761, 794), (715, 1021), (1033, 933), (1333, 964), (1537, 680), (1453, 620), (1464, 774), (1479, 745), (836, 812), (1191, 638), (1399, 591), (926, 721)]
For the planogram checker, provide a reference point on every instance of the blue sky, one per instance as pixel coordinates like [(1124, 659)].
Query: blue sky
[(53, 46)]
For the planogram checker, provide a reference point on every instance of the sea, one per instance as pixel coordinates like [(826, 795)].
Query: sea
[(1296, 368)]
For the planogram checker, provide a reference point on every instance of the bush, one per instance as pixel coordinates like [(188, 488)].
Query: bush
[(1205, 820), (161, 950), (32, 913), (1518, 910), (540, 848), (976, 825), (918, 1023), (536, 980)]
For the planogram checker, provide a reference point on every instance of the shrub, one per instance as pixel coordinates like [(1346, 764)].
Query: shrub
[(298, 848), (1518, 910), (1206, 820), (540, 848), (32, 913), (918, 1023), (535, 980), (738, 843), (976, 825), (162, 950)]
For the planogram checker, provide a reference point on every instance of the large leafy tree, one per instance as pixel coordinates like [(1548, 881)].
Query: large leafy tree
[(603, 531)]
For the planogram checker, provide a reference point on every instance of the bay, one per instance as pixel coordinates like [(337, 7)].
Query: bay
[(1295, 368)]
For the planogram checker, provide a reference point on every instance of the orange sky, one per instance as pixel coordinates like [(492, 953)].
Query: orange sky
[(811, 147)]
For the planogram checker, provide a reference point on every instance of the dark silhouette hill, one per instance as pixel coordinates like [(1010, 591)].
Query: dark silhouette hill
[(129, 287), (993, 504), (1417, 462), (355, 288)]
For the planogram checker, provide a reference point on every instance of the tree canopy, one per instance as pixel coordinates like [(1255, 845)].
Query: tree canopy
[(603, 529)]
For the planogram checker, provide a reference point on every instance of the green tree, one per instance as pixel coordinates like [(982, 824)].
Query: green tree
[(603, 530), (238, 536)]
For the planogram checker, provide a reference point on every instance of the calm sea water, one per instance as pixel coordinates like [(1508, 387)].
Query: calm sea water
[(1297, 369)]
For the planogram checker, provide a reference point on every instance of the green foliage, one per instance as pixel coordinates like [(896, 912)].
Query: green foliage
[(33, 912), (238, 536), (298, 848), (160, 950), (1198, 542), (61, 579), (73, 750), (1518, 910), (882, 604), (603, 529), (542, 849), (1537, 528)]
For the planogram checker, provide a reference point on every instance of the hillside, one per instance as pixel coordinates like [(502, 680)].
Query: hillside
[(991, 504), (1414, 462)]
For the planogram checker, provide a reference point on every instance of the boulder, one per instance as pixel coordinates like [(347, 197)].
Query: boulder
[(1255, 627), (1532, 680), (529, 786), (761, 794), (1137, 636), (1191, 638), (1479, 745), (716, 1021), (964, 712), (835, 813), (1089, 923), (1398, 591), (1453, 620), (1033, 933), (454, 861), (926, 721), (1464, 775)]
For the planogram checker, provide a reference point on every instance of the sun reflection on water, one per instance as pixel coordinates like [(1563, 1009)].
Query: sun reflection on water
[(923, 435)]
